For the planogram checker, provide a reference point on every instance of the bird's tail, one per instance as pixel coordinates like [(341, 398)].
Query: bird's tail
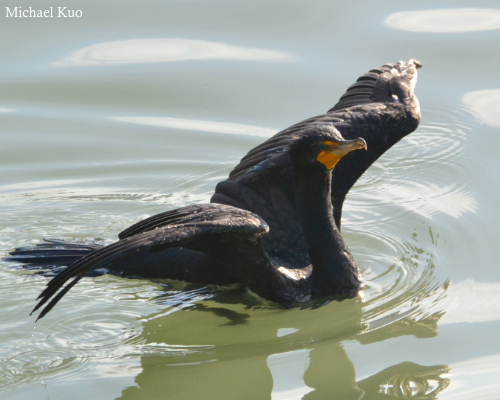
[(54, 253)]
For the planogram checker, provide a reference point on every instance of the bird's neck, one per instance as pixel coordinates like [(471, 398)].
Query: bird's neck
[(334, 269)]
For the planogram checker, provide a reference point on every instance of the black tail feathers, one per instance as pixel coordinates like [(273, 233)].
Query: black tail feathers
[(54, 253)]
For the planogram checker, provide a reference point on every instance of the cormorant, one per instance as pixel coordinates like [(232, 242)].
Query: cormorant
[(274, 224), (380, 107)]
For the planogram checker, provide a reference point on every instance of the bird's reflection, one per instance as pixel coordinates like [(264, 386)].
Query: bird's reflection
[(406, 380), (253, 350), (278, 366), (233, 317)]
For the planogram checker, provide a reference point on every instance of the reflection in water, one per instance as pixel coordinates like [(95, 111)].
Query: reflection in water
[(140, 51), (198, 125), (484, 105), (288, 371), (304, 362), (405, 381), (210, 340), (472, 379), (103, 331), (199, 338), (234, 318), (286, 331), (446, 20), (470, 301), (227, 370)]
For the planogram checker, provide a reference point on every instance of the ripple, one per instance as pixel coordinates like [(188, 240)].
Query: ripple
[(69, 346), (427, 199), (419, 175), (402, 287), (401, 284), (108, 325), (156, 198), (445, 20), (96, 296), (408, 289)]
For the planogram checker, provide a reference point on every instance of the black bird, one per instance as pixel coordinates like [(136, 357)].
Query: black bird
[(380, 107), (273, 226)]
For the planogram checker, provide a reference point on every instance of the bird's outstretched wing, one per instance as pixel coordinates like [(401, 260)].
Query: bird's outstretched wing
[(232, 237), (380, 85), (180, 215), (380, 107)]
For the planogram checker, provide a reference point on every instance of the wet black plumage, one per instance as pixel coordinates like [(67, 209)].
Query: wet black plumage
[(274, 224), (380, 107)]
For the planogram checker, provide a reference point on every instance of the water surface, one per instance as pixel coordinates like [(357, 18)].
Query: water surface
[(136, 108)]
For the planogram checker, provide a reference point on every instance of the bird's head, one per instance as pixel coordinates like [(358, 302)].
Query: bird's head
[(325, 146)]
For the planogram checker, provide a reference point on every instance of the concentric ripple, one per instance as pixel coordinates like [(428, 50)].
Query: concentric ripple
[(390, 215), (400, 179), (109, 326)]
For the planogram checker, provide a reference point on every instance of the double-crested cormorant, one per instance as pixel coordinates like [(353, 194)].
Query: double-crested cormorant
[(274, 224)]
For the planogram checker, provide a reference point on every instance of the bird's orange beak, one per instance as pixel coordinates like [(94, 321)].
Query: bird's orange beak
[(334, 151)]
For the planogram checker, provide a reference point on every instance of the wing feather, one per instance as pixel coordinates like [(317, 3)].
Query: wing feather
[(378, 107), (211, 228)]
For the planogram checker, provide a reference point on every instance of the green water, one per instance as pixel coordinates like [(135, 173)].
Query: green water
[(140, 107)]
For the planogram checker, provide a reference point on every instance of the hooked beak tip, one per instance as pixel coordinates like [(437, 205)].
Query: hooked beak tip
[(361, 144)]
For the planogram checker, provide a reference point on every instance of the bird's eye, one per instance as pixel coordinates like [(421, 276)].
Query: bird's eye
[(322, 146)]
